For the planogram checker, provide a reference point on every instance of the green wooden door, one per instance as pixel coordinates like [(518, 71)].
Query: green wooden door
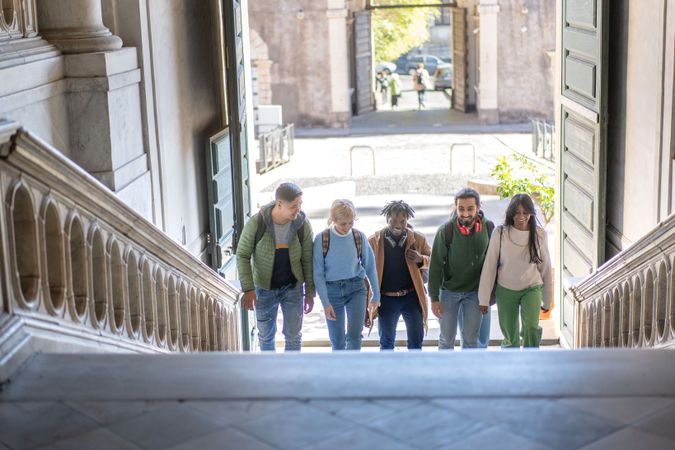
[(228, 155), (237, 104), (583, 124), (221, 192)]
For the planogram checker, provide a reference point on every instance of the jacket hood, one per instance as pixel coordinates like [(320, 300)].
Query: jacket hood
[(267, 217)]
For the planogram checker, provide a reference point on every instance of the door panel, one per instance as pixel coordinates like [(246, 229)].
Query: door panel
[(460, 73), (363, 49), (221, 199), (228, 157), (583, 139), (236, 86)]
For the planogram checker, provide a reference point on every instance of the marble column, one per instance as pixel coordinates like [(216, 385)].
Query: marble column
[(488, 98), (339, 58), (75, 26), (104, 101)]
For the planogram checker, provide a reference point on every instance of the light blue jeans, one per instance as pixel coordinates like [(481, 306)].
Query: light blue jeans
[(348, 299), (290, 298), (483, 333), (450, 306)]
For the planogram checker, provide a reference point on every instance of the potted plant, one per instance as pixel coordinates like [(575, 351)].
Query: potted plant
[(527, 177)]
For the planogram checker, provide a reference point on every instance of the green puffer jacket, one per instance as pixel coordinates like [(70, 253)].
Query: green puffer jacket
[(255, 267)]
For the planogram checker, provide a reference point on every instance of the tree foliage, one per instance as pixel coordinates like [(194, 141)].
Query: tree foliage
[(398, 30)]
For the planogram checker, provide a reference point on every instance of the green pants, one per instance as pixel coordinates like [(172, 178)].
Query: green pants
[(509, 302)]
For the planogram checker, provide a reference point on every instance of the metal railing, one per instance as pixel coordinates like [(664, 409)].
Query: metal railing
[(81, 268), (543, 139), (629, 301), (275, 148), (460, 145), (370, 150)]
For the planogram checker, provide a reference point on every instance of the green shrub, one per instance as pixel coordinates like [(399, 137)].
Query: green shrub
[(527, 177)]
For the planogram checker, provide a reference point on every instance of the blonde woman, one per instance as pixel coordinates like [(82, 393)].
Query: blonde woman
[(342, 259)]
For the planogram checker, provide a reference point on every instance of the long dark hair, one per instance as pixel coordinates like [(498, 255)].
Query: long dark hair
[(527, 204)]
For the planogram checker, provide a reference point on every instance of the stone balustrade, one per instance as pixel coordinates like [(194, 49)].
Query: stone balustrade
[(81, 269), (629, 301)]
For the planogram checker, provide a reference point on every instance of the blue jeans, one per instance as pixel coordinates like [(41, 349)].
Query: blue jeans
[(450, 307), (483, 333), (347, 296), (391, 308), (266, 309)]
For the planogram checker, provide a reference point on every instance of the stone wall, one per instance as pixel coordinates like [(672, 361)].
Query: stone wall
[(298, 37), (525, 66), (640, 143), (188, 112), (138, 118)]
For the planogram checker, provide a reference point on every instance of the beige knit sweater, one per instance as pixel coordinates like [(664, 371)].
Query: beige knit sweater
[(516, 272)]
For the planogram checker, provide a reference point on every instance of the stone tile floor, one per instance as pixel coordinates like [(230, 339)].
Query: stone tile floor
[(520, 400)]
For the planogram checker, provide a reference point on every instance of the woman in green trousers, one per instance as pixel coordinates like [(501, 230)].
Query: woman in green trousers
[(518, 261)]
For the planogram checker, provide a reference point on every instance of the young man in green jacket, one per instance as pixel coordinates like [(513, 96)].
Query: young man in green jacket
[(274, 261), (454, 273)]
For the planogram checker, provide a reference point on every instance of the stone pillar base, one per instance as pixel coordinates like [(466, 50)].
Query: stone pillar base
[(488, 116), (106, 125), (78, 42)]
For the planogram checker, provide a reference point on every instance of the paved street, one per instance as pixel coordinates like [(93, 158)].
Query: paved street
[(371, 168)]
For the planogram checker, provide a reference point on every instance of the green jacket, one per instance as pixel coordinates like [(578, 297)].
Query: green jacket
[(395, 85), (457, 268), (255, 261)]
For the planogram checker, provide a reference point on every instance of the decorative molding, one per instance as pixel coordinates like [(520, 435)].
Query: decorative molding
[(18, 20), (628, 301), (82, 270)]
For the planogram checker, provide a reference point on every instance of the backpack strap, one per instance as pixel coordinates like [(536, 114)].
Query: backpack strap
[(358, 241), (325, 241), (260, 230), (356, 234), (490, 225), (448, 233)]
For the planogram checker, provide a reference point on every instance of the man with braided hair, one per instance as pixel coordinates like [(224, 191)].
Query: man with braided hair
[(400, 255)]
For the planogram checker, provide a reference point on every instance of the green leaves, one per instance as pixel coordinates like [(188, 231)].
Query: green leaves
[(524, 176), (397, 31)]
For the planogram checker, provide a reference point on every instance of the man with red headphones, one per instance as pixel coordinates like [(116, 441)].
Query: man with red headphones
[(454, 273)]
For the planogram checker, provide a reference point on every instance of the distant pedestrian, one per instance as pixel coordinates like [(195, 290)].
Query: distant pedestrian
[(400, 254), (343, 259), (383, 85), (454, 273), (274, 261), (394, 89), (519, 259), (421, 83)]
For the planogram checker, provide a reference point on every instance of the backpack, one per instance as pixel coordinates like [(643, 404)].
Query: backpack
[(422, 78), (358, 242), (260, 230)]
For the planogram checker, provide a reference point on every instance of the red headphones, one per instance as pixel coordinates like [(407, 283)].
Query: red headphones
[(465, 231)]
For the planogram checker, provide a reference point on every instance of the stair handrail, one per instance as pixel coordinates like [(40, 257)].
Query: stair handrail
[(628, 301), (77, 261)]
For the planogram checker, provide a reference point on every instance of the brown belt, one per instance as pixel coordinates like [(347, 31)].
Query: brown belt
[(397, 293)]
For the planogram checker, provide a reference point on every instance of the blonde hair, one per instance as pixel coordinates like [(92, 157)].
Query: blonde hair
[(341, 209)]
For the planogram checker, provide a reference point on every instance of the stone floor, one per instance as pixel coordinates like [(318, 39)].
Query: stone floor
[(508, 400)]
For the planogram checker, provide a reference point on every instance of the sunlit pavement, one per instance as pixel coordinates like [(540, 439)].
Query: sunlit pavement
[(383, 167)]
